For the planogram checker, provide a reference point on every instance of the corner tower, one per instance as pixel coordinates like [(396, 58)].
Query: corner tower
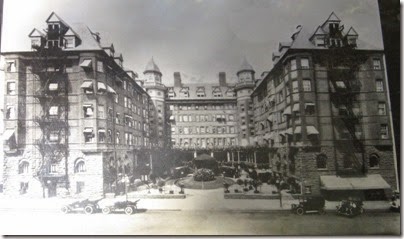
[(156, 90), (243, 89)]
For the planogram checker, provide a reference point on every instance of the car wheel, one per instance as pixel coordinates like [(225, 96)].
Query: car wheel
[(321, 211), (129, 210), (106, 210), (65, 209), (89, 209), (299, 211)]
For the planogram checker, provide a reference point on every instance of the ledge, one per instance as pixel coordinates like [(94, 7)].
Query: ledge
[(250, 196), (157, 196)]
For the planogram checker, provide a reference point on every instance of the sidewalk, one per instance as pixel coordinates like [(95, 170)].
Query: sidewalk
[(206, 200)]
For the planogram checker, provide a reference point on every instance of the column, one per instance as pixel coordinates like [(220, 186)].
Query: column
[(255, 158)]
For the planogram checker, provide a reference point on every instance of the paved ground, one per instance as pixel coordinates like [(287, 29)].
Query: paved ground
[(196, 223), (196, 200)]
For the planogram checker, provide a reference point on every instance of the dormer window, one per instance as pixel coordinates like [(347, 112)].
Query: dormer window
[(53, 27), (200, 92), (352, 41), (333, 29), (319, 41), (70, 42), (53, 43), (35, 41)]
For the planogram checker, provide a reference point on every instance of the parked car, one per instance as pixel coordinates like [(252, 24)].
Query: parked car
[(309, 204), (129, 207), (350, 208), (86, 205)]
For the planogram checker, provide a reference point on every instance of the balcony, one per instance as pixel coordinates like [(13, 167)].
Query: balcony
[(154, 85), (241, 85)]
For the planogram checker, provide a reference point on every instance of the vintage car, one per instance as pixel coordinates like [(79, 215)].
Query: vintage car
[(129, 207), (89, 206), (309, 204), (350, 208)]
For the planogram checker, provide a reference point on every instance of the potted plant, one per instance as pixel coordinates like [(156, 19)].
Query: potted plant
[(160, 185)]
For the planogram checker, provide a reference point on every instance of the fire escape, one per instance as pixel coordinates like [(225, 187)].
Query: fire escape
[(343, 66), (51, 92)]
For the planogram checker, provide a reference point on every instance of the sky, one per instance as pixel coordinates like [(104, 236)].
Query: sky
[(198, 38)]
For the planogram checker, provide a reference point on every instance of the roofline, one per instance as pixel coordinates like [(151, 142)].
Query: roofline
[(287, 53)]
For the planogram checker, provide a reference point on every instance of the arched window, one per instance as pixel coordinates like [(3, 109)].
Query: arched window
[(321, 161), (23, 168), (80, 166), (374, 161)]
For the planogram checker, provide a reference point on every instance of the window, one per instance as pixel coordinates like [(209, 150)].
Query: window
[(116, 99), (379, 85), (117, 118), (321, 161), (53, 86), (309, 108), (381, 109), (376, 64), (293, 65), (100, 66), (23, 187), (53, 136), (101, 113), (79, 187), (101, 135), (10, 113), (11, 88), (306, 85), (80, 167), (295, 86), (70, 42), (118, 138), (307, 190), (280, 96), (88, 111), (88, 135), (11, 66), (23, 168), (319, 41), (53, 110), (374, 161), (384, 133), (53, 168), (125, 101), (304, 63), (109, 136), (340, 84)]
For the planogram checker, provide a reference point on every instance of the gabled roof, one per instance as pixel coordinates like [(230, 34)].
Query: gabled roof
[(152, 67), (36, 33), (319, 31), (333, 18), (71, 32), (352, 32), (245, 66), (55, 18)]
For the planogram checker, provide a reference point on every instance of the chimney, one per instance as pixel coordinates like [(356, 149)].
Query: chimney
[(222, 79), (177, 79)]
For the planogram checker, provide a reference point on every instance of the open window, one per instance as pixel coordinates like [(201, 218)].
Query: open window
[(88, 135), (88, 111)]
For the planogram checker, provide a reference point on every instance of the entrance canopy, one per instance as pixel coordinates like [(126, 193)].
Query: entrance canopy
[(373, 181)]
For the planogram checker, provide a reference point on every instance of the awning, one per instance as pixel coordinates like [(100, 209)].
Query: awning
[(298, 130), (53, 86), (372, 181), (287, 111), (88, 130), (110, 90), (101, 131), (312, 130), (281, 133), (8, 133), (289, 131), (270, 118), (268, 136), (87, 84), (272, 98), (172, 117), (340, 84), (296, 107), (86, 63), (101, 86), (309, 104)]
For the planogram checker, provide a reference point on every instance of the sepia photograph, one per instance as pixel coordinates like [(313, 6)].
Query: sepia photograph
[(200, 117)]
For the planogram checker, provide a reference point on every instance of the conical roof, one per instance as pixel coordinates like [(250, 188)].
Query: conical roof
[(245, 66), (152, 67)]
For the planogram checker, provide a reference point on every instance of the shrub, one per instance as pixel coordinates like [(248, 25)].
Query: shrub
[(204, 174), (240, 181)]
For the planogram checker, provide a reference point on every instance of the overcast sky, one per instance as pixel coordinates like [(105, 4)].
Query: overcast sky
[(197, 37)]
